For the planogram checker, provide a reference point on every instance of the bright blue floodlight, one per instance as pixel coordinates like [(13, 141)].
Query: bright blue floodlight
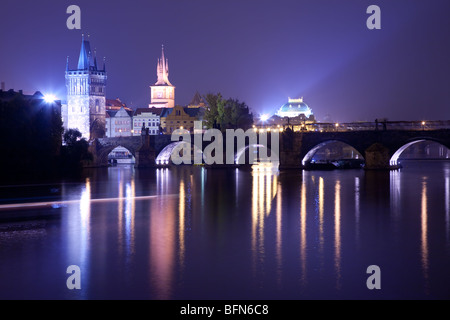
[(50, 98)]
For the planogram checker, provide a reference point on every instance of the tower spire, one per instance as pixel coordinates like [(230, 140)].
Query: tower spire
[(83, 60), (162, 69), (95, 58)]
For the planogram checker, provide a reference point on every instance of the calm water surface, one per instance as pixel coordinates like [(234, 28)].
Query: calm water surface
[(196, 233)]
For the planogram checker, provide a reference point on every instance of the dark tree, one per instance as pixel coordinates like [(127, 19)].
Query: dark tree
[(75, 150), (227, 114)]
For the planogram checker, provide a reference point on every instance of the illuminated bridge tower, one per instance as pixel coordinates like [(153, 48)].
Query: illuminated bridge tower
[(86, 94)]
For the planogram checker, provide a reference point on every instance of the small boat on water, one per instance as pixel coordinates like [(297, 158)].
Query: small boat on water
[(349, 164), (336, 164)]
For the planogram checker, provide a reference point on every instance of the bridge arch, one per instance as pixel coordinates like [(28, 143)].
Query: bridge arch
[(105, 151), (165, 154), (310, 154), (394, 158), (241, 153), (102, 147)]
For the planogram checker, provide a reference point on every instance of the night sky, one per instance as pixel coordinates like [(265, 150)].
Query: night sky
[(258, 51)]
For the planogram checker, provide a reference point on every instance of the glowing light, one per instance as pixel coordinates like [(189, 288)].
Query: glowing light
[(394, 159), (50, 98), (336, 124), (264, 117), (423, 123)]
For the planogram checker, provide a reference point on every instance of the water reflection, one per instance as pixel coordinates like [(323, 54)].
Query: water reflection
[(162, 238), (447, 205), (130, 205), (279, 238), (303, 229), (78, 220), (395, 193), (284, 242), (424, 235), (181, 223), (357, 211), (337, 233), (321, 206), (264, 187)]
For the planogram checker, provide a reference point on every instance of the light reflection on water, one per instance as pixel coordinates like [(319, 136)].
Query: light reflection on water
[(210, 233)]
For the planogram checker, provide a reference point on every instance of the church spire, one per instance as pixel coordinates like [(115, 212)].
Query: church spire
[(162, 70)]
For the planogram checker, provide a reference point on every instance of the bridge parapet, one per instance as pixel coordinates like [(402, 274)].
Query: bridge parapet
[(381, 125)]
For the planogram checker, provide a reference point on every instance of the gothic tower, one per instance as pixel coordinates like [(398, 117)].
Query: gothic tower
[(86, 94), (162, 93)]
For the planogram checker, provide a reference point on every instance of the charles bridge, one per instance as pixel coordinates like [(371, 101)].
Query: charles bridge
[(379, 143)]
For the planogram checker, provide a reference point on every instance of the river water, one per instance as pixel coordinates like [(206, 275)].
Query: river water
[(189, 232)]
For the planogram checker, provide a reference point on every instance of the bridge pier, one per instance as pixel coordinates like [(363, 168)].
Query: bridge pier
[(97, 159), (290, 146), (145, 155), (377, 157)]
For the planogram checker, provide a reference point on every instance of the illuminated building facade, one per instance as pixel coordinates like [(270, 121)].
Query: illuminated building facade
[(119, 123), (150, 117), (296, 108), (180, 118), (295, 114), (86, 94)]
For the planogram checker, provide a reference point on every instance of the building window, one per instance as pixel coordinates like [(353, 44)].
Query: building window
[(97, 106)]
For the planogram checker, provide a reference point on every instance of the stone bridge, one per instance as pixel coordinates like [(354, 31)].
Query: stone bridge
[(380, 149)]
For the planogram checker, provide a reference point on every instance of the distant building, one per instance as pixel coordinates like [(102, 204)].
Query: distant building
[(295, 108), (115, 104), (150, 117), (197, 101), (86, 94), (295, 114), (119, 123), (162, 93), (180, 118)]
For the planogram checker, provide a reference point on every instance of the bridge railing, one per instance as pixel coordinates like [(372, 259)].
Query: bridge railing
[(380, 126)]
